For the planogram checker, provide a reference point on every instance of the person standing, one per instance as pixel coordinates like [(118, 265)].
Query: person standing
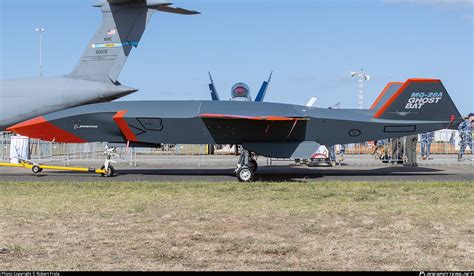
[(452, 139), (385, 146), (410, 151), (381, 149), (342, 152), (426, 140), (377, 153), (452, 142), (396, 150), (465, 133), (332, 155)]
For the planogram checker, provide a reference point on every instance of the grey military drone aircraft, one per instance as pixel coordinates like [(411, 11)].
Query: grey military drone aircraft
[(94, 79), (266, 129)]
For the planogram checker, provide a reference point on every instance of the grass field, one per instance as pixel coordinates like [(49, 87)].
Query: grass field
[(200, 226)]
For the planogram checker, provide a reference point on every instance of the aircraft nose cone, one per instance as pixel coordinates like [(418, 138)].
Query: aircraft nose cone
[(42, 129)]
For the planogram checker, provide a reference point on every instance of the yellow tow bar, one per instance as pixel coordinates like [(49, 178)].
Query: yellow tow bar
[(37, 168)]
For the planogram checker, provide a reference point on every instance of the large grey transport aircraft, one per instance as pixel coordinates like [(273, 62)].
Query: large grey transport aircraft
[(266, 129), (94, 79)]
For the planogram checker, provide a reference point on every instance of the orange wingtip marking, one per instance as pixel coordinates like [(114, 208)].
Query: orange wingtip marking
[(384, 91), (399, 92), (122, 124), (40, 128)]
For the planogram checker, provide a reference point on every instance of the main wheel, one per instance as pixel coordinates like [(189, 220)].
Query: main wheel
[(110, 171), (36, 169), (254, 165), (245, 174)]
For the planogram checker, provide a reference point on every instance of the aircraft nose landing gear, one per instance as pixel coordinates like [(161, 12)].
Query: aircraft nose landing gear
[(246, 167), (109, 170)]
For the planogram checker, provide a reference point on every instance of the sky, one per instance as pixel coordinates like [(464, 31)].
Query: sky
[(311, 45)]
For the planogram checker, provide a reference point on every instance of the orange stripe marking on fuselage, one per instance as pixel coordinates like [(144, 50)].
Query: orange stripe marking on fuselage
[(42, 129), (124, 128)]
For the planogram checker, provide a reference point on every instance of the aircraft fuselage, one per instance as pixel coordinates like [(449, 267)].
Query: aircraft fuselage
[(204, 122), (23, 99)]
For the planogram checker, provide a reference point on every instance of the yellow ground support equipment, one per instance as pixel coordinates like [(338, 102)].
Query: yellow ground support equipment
[(37, 168), (107, 170)]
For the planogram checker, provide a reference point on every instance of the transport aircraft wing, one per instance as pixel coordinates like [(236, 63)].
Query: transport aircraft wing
[(152, 4)]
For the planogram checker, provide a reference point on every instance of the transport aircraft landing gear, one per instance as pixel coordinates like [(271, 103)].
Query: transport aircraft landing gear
[(246, 167)]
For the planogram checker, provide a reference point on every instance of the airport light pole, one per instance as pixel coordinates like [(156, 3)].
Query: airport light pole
[(361, 78), (40, 31)]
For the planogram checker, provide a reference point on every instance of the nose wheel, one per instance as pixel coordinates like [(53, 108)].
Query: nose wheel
[(109, 170)]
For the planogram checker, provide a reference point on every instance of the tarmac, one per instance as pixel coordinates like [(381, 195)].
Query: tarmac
[(221, 168)]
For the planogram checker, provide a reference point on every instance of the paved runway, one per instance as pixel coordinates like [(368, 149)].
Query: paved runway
[(217, 170)]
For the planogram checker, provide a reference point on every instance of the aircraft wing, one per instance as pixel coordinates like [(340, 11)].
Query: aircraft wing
[(254, 128), (167, 8), (152, 4), (252, 118)]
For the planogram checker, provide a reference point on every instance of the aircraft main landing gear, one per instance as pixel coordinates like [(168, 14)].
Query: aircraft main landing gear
[(246, 167)]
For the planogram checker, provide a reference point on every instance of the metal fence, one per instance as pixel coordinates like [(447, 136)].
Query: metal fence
[(42, 151)]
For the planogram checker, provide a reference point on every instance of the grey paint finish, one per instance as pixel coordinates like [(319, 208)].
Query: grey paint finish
[(94, 79), (27, 98), (293, 150), (422, 100), (389, 93), (103, 58), (181, 122)]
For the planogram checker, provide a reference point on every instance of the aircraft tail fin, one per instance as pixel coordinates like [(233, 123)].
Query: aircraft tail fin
[(263, 89), (212, 88), (387, 93), (419, 99), (123, 24)]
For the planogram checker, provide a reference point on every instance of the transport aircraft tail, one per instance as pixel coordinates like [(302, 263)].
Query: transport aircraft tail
[(123, 24), (417, 100)]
